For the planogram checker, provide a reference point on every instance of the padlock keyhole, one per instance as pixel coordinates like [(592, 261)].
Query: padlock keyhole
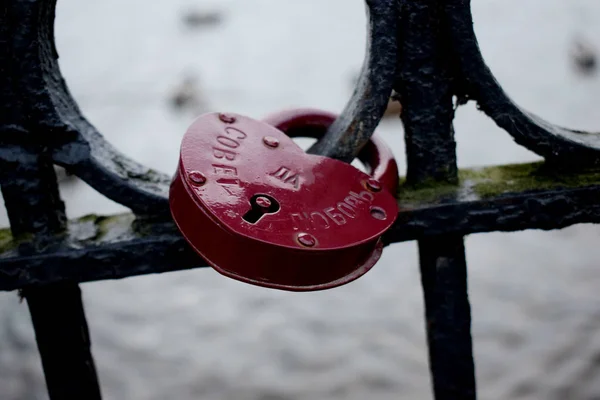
[(261, 204)]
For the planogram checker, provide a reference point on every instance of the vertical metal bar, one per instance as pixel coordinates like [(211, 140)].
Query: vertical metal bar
[(30, 191), (448, 317), (31, 195), (34, 208), (425, 88), (63, 341)]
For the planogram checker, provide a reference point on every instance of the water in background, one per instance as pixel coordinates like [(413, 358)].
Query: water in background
[(197, 335)]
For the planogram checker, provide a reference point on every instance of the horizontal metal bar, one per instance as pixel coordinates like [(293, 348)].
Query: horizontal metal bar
[(506, 198), (503, 198)]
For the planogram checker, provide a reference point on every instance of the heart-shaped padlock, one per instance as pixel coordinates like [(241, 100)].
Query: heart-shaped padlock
[(260, 210)]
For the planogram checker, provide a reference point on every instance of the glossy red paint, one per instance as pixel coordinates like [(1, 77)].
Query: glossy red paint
[(309, 122), (319, 230)]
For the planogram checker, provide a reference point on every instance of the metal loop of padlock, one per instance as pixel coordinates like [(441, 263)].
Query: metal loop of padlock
[(376, 156), (260, 210)]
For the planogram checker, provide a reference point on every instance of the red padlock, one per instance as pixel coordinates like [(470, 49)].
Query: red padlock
[(260, 210)]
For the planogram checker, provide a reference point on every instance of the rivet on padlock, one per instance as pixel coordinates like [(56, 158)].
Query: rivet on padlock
[(260, 210)]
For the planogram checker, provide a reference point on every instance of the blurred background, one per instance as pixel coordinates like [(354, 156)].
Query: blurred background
[(142, 71)]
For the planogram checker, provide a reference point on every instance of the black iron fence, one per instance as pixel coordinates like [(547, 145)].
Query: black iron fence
[(423, 53)]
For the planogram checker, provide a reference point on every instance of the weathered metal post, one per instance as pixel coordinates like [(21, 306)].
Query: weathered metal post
[(425, 88), (63, 341), (35, 210)]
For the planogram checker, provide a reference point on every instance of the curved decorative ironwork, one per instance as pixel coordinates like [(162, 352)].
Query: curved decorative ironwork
[(357, 122), (561, 146), (79, 147), (75, 143)]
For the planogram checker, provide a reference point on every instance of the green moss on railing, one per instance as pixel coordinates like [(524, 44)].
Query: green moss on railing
[(6, 240), (488, 182)]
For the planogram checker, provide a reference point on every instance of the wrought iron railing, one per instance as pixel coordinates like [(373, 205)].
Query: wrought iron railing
[(423, 52)]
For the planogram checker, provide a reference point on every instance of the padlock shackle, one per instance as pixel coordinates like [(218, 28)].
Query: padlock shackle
[(376, 155)]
